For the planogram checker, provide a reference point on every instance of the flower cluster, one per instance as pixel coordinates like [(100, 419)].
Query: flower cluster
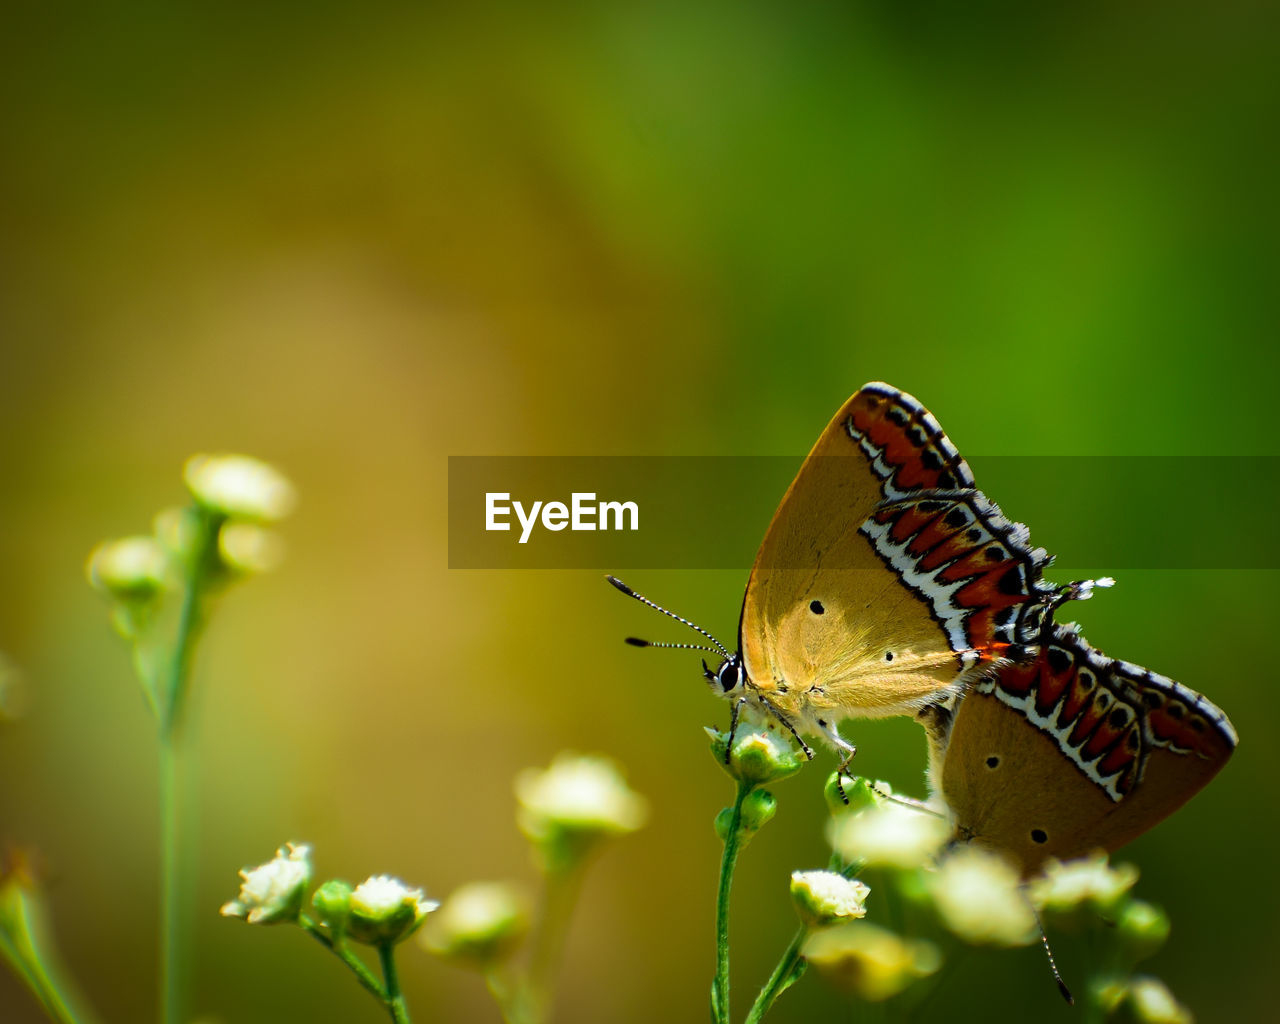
[(380, 911)]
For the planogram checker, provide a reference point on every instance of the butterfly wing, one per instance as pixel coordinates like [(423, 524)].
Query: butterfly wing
[(885, 573), (1074, 750)]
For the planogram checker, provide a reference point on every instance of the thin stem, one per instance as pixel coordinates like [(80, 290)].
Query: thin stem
[(395, 998), (732, 844), (31, 965), (190, 622), (789, 969), (171, 952), (532, 1000), (203, 557), (504, 990), (365, 976)]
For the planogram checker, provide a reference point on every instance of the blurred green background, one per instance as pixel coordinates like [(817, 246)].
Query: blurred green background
[(355, 241)]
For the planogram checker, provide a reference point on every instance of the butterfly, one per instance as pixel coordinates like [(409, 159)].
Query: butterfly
[(1070, 751), (885, 582)]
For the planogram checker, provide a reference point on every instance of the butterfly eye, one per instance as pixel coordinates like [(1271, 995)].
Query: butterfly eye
[(728, 676)]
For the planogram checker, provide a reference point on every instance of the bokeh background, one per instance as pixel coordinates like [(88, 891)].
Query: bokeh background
[(355, 241)]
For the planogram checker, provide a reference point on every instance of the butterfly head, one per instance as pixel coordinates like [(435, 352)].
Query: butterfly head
[(729, 679)]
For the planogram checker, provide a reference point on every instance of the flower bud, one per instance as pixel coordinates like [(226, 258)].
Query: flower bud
[(759, 755), (849, 794), (825, 897), (332, 902), (758, 808), (132, 569), (576, 802), (272, 892), (1062, 887), (1151, 1002), (1142, 929), (868, 961), (385, 911), (239, 487), (479, 924), (977, 896), (246, 548), (889, 836)]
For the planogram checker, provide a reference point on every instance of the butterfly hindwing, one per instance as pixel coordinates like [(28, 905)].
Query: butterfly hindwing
[(1096, 750)]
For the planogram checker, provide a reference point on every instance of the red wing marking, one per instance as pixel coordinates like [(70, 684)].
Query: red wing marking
[(1106, 716)]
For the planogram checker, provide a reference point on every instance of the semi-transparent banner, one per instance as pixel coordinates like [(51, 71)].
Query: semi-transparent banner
[(1101, 513)]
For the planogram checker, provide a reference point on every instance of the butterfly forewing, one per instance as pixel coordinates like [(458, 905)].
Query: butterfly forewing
[(885, 574)]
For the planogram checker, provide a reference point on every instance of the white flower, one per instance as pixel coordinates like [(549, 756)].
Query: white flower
[(823, 897), (1065, 886), (890, 835), (978, 897), (384, 910), (478, 923), (578, 794), (133, 567), (239, 487), (272, 892), (868, 961), (1153, 1003)]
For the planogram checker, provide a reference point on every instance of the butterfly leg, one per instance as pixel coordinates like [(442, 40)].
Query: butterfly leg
[(786, 722), (733, 727), (846, 749)]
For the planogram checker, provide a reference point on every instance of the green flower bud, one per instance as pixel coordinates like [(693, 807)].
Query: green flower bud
[(868, 961), (479, 924), (332, 902), (758, 807), (272, 892), (385, 911), (1151, 1002), (1142, 929), (759, 756), (239, 487), (825, 897), (858, 793)]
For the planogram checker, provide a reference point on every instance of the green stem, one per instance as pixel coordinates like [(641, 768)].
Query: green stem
[(171, 951), (32, 965), (789, 969), (504, 990), (532, 1000), (395, 998), (365, 976), (732, 844)]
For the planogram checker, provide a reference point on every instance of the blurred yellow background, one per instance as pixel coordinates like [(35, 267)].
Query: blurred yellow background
[(354, 242)]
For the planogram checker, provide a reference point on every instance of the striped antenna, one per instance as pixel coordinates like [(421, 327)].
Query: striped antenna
[(658, 608), (1053, 965)]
